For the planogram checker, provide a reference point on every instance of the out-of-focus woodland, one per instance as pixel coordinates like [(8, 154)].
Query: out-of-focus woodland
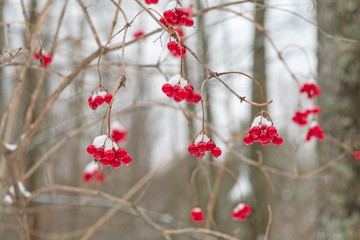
[(298, 190)]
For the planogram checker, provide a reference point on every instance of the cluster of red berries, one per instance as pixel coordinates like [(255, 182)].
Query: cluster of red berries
[(176, 48), (99, 98), (138, 33), (197, 214), (241, 211), (262, 131), (311, 89), (118, 132), (46, 59), (107, 152), (92, 173), (203, 144), (177, 17), (151, 1), (300, 117), (357, 155), (179, 89), (315, 131)]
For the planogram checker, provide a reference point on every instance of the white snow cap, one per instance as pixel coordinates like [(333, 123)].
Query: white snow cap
[(183, 82), (313, 123), (99, 141), (102, 93), (175, 80), (91, 167), (7, 197), (201, 138), (117, 125), (171, 5), (263, 120), (196, 209), (238, 207)]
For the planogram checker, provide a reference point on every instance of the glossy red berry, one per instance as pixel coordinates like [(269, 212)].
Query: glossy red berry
[(271, 131), (99, 100), (211, 145), (110, 155), (108, 97), (91, 149), (115, 163), (121, 153), (277, 141), (167, 88), (99, 154), (126, 160), (202, 147), (216, 152), (192, 149), (357, 155), (248, 140)]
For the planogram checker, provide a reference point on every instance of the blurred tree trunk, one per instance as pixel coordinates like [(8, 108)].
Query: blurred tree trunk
[(260, 188), (338, 74)]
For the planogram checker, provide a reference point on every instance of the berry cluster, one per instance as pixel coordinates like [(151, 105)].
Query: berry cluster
[(45, 60), (176, 16), (262, 131), (118, 132), (315, 131), (300, 117), (107, 152), (241, 211), (151, 1), (311, 89), (197, 214), (179, 89), (357, 155), (203, 144), (176, 48), (138, 33), (92, 173), (99, 98)]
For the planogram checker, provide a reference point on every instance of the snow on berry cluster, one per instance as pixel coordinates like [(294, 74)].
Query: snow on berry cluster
[(118, 132), (107, 152), (175, 16), (46, 59), (151, 1), (262, 131), (311, 89), (203, 144), (176, 49), (197, 214), (92, 173), (179, 89), (300, 117), (241, 211), (98, 99)]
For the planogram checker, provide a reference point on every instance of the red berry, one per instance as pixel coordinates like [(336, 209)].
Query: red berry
[(248, 140), (167, 88), (110, 155), (254, 132), (108, 97), (357, 155), (197, 215), (263, 137), (202, 147), (277, 141), (148, 1), (216, 152), (183, 20), (189, 22), (99, 100), (105, 162), (115, 163), (271, 131), (93, 106), (99, 154), (182, 93), (265, 143), (196, 97), (121, 153), (90, 100), (169, 15), (172, 46), (192, 149), (126, 160), (264, 127), (91, 149), (211, 145), (177, 99)]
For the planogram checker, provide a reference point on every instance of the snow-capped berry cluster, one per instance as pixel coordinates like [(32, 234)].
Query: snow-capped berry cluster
[(176, 16), (203, 144), (118, 132), (151, 1), (99, 98), (197, 214), (92, 173), (107, 152), (179, 89), (300, 117), (311, 89), (176, 48), (241, 211), (315, 131), (46, 59), (262, 131), (23, 191)]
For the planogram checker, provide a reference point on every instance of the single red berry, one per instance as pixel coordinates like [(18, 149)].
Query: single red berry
[(202, 147), (277, 141), (211, 145), (87, 177), (189, 22), (265, 143), (169, 15), (99, 154), (91, 149), (110, 155), (93, 106), (271, 131), (192, 149), (177, 99), (105, 162), (357, 155), (108, 97), (167, 88), (248, 140), (126, 160), (182, 93), (254, 132), (90, 100), (121, 153), (172, 45), (216, 152), (162, 20), (148, 1), (99, 100), (115, 163), (196, 97), (263, 137), (183, 20)]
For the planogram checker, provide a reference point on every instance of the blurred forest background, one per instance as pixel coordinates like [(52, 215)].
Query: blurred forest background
[(46, 123)]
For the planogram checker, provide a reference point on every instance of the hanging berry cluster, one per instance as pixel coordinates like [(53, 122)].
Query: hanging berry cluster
[(179, 89), (241, 212), (197, 214), (92, 173), (203, 144), (43, 58), (98, 98), (107, 152), (301, 117), (263, 131), (118, 132)]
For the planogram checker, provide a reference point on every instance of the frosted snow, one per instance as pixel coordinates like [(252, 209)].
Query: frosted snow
[(196, 209), (174, 80), (99, 141), (238, 207), (171, 5), (183, 82), (90, 167), (201, 138), (10, 147), (261, 119), (108, 145)]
